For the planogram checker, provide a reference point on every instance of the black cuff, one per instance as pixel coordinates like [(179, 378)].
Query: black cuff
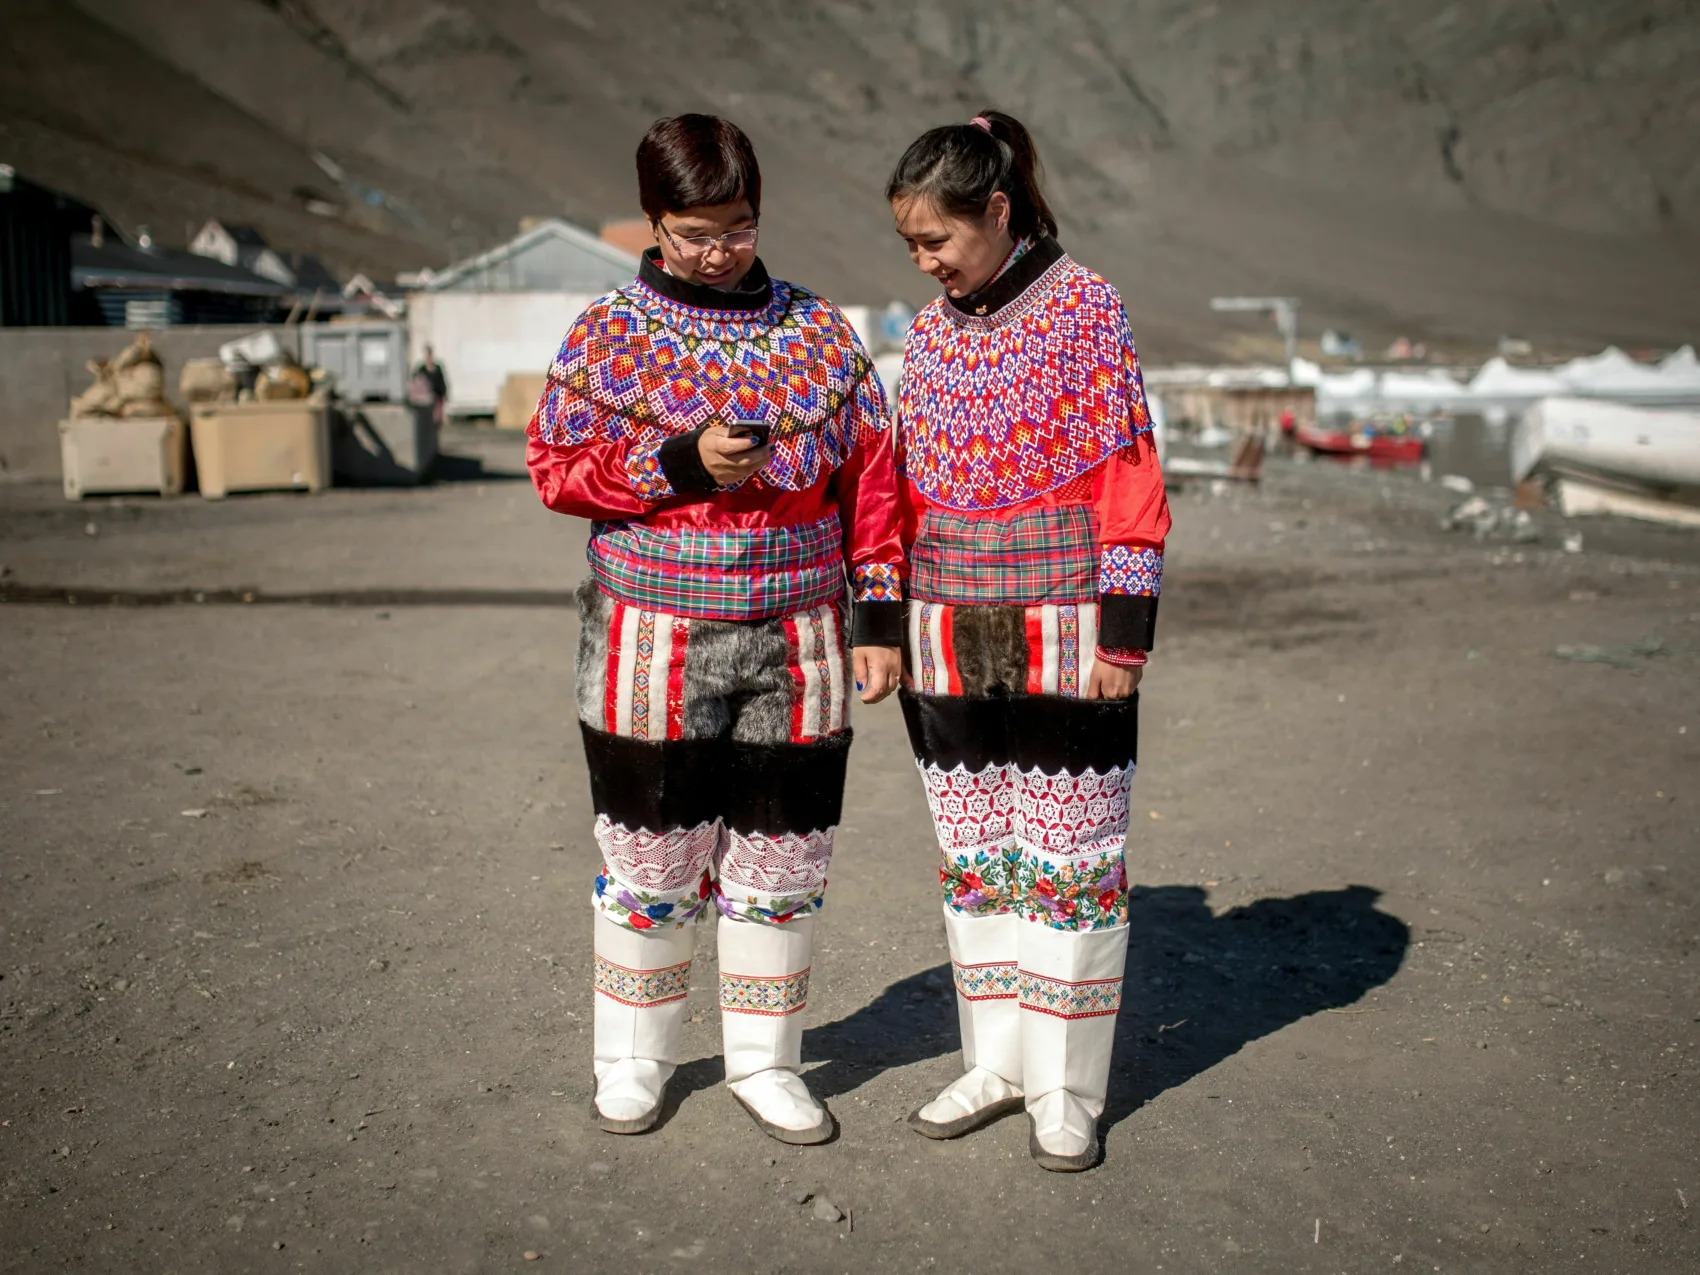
[(876, 624), (1054, 734), (1126, 620), (654, 784), (780, 789), (681, 464), (771, 789)]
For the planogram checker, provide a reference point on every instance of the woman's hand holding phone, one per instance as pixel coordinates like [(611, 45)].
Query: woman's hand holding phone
[(728, 458)]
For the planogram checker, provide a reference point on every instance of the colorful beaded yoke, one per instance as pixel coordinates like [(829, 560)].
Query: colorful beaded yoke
[(999, 409), (641, 367)]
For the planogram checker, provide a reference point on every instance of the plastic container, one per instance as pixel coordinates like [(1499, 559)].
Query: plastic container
[(278, 445), (382, 443), (367, 360), (110, 454)]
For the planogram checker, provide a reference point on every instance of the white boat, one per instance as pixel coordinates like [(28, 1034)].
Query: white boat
[(1611, 458)]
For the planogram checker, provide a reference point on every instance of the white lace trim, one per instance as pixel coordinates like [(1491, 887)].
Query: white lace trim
[(1073, 814), (972, 809), (658, 862), (783, 863)]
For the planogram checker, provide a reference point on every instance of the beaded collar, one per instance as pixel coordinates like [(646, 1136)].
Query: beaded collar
[(753, 292), (1021, 273)]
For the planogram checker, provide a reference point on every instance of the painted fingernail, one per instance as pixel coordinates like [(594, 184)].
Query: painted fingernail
[(858, 686)]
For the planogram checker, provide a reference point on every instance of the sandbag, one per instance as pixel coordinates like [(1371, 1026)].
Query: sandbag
[(102, 397), (206, 381), (140, 382), (283, 381)]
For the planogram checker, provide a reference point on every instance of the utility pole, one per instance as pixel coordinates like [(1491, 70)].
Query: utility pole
[(1285, 310)]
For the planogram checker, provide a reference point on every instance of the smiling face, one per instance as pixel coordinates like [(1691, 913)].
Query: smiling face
[(721, 266), (962, 253)]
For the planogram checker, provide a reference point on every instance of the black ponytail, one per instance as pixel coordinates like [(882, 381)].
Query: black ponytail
[(960, 166)]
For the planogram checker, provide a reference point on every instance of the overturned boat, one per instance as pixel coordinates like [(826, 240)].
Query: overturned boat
[(1380, 446), (1609, 458)]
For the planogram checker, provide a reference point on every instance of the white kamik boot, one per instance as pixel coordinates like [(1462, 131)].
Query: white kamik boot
[(983, 964), (764, 985), (642, 980), (1070, 992)]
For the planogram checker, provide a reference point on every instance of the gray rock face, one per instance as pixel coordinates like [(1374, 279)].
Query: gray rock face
[(1450, 172)]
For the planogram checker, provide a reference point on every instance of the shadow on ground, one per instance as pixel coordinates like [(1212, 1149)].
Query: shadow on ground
[(1199, 987), (456, 467)]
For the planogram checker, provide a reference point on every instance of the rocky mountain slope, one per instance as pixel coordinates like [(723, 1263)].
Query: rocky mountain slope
[(1451, 172)]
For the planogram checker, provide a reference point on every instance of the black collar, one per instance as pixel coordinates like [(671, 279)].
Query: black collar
[(753, 292), (1009, 285)]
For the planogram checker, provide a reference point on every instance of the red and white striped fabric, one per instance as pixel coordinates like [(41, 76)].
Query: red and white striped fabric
[(1061, 641), (649, 676), (645, 689), (815, 654)]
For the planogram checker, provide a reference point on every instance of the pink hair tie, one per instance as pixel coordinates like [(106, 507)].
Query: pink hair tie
[(981, 122)]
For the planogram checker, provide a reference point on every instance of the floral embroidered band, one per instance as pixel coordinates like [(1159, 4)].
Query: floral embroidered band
[(991, 982), (1070, 1000), (642, 988), (771, 997)]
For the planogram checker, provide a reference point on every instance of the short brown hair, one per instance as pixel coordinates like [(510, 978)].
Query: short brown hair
[(691, 160)]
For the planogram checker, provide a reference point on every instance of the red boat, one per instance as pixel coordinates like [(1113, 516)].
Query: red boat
[(1390, 448)]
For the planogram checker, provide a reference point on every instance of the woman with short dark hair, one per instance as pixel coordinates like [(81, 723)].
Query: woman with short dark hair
[(1034, 522), (725, 432)]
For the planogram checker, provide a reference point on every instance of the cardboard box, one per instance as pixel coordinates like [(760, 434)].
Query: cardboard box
[(113, 454), (518, 399), (276, 445)]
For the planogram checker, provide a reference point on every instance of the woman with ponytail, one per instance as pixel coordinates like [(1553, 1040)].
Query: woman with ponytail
[(1034, 521)]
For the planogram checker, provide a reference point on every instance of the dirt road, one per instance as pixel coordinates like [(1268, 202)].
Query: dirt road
[(294, 924)]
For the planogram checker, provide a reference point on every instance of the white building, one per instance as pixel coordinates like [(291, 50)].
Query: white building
[(505, 311), (245, 247)]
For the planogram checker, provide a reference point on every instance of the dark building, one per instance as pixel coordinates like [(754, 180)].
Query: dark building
[(61, 265), (36, 229), (145, 285)]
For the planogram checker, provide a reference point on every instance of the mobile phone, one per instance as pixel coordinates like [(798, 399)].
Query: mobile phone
[(757, 430)]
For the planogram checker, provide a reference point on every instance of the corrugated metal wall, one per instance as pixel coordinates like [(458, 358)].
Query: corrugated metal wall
[(35, 252)]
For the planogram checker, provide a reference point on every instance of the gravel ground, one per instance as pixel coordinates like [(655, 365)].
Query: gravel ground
[(294, 935)]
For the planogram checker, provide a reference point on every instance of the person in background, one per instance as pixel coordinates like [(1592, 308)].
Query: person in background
[(430, 385), (1034, 522), (726, 434)]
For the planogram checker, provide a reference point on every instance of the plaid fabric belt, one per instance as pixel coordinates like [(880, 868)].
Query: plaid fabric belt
[(742, 573), (1048, 555)]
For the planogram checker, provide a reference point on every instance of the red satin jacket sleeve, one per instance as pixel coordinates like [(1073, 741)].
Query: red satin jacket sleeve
[(1133, 525), (587, 480), (866, 488), (1133, 518)]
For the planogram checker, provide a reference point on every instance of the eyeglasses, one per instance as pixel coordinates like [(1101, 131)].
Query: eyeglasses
[(702, 245)]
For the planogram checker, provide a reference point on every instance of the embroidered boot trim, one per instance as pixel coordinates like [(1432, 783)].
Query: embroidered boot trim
[(1099, 998), (992, 981), (774, 997), (641, 988)]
